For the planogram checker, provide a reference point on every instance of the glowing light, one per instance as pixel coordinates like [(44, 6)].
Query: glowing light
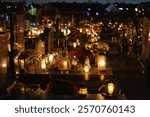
[(74, 45), (149, 35), (4, 64), (136, 9), (86, 69), (120, 9), (89, 9), (97, 13), (65, 65), (111, 88), (102, 77), (127, 9), (51, 57), (43, 64), (101, 63)]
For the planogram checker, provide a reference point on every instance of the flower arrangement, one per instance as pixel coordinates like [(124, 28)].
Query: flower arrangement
[(99, 46), (102, 46), (72, 55), (77, 68), (32, 62)]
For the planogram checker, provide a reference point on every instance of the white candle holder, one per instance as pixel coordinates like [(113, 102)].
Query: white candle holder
[(101, 63), (65, 66), (102, 77), (51, 58), (111, 88), (86, 69), (43, 66), (83, 90)]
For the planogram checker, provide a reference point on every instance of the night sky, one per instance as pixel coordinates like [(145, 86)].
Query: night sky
[(99, 1)]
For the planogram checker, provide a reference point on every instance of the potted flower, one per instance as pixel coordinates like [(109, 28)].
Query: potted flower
[(32, 64)]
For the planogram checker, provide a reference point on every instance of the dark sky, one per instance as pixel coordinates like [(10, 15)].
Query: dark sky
[(99, 1)]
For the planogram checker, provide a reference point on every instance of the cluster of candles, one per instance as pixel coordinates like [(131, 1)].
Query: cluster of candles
[(110, 89), (35, 31), (48, 59), (101, 63), (75, 44)]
